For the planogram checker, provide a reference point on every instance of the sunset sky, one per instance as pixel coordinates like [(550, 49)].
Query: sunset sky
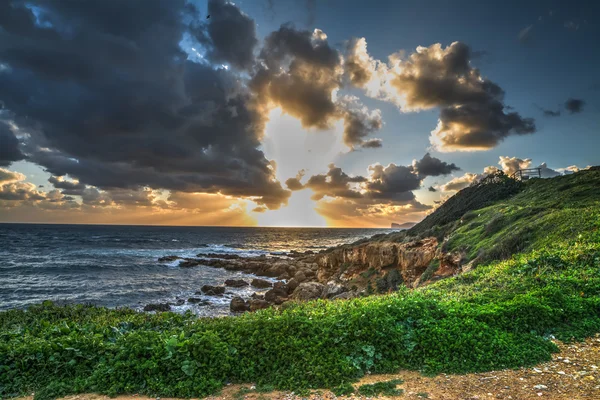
[(283, 112)]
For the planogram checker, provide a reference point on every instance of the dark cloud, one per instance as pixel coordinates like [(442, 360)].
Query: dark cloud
[(359, 123), (394, 182), (431, 166), (432, 189), (294, 183), (232, 35), (574, 106), (9, 146), (372, 144), (336, 183), (60, 183), (111, 99)]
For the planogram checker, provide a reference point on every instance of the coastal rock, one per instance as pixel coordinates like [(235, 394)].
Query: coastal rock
[(300, 276), (257, 296), (345, 296), (218, 255), (168, 258), (284, 277), (237, 283), (159, 307), (261, 283), (239, 305), (309, 291), (188, 263), (212, 290), (179, 302), (333, 289), (277, 295), (257, 304), (293, 284), (196, 300)]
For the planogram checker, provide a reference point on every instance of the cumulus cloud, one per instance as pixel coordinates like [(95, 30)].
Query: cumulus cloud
[(472, 111), (574, 106), (459, 183), (510, 165), (298, 72), (118, 104)]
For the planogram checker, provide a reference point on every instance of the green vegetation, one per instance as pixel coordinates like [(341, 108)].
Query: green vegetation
[(385, 388), (499, 315)]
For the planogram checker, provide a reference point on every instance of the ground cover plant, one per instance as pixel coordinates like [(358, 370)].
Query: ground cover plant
[(499, 315)]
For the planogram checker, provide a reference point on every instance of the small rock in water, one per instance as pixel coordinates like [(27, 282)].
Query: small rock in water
[(213, 290), (237, 283), (160, 307)]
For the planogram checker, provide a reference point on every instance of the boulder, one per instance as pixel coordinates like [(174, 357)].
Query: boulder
[(293, 284), (261, 283), (159, 307), (211, 290), (284, 277), (278, 294), (257, 296), (276, 269), (239, 305), (333, 289), (196, 300), (257, 304), (345, 296), (237, 283), (309, 291), (300, 276), (179, 302)]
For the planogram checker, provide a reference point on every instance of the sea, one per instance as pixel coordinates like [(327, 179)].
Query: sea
[(117, 266)]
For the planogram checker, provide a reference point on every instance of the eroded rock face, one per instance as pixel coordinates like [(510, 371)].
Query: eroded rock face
[(309, 291), (345, 263)]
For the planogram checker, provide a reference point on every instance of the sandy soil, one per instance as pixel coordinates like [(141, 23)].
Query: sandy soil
[(573, 374)]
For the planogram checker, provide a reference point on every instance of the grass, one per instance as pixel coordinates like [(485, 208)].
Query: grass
[(499, 315)]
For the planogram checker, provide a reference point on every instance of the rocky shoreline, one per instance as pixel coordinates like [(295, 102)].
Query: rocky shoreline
[(339, 273)]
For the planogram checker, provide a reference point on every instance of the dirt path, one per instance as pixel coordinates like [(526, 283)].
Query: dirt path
[(573, 374)]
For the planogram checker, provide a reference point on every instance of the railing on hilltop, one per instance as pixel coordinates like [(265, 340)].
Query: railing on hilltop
[(525, 174)]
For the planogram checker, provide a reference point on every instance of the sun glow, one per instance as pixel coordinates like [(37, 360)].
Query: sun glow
[(300, 212)]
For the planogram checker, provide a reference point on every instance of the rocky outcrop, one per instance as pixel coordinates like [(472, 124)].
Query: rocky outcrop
[(258, 304), (346, 263)]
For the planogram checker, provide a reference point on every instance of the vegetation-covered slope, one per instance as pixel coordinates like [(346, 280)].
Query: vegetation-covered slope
[(498, 315)]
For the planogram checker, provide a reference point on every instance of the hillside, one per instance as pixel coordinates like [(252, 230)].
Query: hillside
[(488, 221), (523, 266)]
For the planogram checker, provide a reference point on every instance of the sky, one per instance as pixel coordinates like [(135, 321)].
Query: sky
[(285, 112)]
